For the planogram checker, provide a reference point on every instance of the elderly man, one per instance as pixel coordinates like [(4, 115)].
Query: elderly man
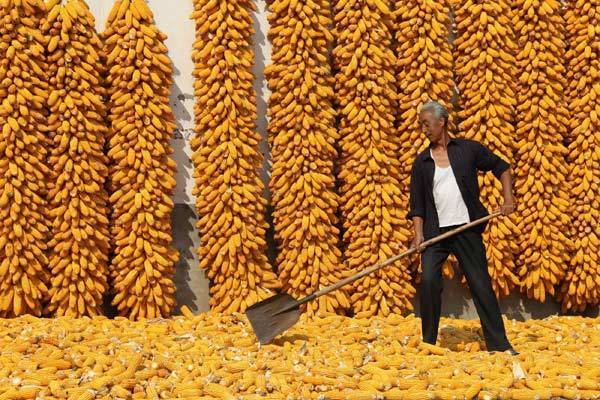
[(444, 194)]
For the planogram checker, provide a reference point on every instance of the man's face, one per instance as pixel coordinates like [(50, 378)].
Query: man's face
[(432, 126)]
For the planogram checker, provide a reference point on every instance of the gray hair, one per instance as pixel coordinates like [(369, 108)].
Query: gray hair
[(437, 109)]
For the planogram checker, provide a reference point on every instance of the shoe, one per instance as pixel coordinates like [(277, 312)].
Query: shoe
[(510, 351)]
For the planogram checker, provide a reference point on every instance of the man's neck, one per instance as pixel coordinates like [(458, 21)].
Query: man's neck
[(443, 142)]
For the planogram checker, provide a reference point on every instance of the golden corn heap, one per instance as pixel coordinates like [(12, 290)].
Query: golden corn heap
[(142, 173), (77, 200), (215, 356), (370, 171), (542, 188), (486, 74), (302, 135), (227, 160), (582, 284), (23, 152), (424, 72)]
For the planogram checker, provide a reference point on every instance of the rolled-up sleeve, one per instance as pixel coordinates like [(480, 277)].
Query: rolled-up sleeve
[(417, 197), (487, 161)]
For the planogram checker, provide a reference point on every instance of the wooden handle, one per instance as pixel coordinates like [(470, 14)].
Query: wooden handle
[(387, 262)]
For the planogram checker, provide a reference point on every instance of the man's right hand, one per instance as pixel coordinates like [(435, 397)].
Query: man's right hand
[(417, 242)]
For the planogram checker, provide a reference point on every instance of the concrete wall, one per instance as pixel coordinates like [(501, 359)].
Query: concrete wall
[(172, 17)]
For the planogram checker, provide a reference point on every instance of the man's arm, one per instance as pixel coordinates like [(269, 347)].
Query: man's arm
[(418, 227), (507, 192), (417, 204), (488, 161)]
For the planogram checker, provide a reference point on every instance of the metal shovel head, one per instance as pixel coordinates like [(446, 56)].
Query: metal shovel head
[(273, 316)]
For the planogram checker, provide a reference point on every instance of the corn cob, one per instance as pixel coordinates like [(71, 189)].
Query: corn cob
[(424, 72), (542, 188), (581, 287), (141, 175), (77, 200), (371, 201), (23, 93), (302, 136), (485, 71), (226, 157)]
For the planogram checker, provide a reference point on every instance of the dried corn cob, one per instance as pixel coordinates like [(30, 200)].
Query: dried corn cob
[(141, 171), (581, 287), (424, 72), (77, 200), (485, 71), (371, 201), (302, 137), (226, 157), (23, 173), (542, 189)]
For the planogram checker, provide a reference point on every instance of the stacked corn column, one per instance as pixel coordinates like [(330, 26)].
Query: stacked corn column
[(424, 72), (23, 173), (543, 209), (77, 199), (302, 135), (227, 160), (141, 178), (582, 284), (369, 168), (485, 71)]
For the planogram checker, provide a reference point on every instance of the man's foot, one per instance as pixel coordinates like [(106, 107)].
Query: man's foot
[(510, 351)]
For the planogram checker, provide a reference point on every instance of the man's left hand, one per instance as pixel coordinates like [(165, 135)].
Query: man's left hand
[(508, 207)]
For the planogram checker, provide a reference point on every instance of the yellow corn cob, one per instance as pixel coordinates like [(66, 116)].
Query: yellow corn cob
[(485, 69), (226, 157), (424, 64), (581, 287), (77, 200), (543, 208), (302, 137), (23, 173), (142, 171), (371, 201)]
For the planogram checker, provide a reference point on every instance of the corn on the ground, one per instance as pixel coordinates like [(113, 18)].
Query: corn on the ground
[(142, 173), (302, 136), (227, 160), (216, 356), (486, 76), (77, 199), (581, 287), (542, 188), (23, 152), (369, 168)]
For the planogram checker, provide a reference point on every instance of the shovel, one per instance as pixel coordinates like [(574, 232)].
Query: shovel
[(278, 313)]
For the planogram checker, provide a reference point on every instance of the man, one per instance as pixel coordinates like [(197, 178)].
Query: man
[(444, 194)]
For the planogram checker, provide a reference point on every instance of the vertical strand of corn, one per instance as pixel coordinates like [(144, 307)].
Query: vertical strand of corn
[(23, 173), (424, 72), (485, 72), (141, 175), (369, 168), (542, 188), (302, 135), (77, 200), (227, 160), (581, 287)]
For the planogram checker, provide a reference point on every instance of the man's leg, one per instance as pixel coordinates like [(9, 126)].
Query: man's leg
[(470, 251), (432, 259)]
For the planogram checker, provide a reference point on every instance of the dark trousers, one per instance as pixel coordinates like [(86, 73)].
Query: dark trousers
[(469, 249)]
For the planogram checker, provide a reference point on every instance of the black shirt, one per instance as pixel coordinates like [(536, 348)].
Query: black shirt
[(466, 158)]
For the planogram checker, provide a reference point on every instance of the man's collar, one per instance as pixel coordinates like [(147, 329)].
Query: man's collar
[(428, 153)]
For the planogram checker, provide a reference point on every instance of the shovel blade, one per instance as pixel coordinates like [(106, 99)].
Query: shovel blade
[(267, 318)]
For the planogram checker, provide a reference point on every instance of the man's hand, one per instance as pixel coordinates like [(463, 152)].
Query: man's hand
[(417, 242), (508, 207)]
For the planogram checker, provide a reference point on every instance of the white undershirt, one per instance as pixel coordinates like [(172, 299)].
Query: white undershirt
[(451, 207)]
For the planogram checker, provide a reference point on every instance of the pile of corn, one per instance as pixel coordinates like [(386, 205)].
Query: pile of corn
[(485, 71), (581, 287), (370, 171), (227, 160), (543, 209), (23, 152), (141, 170), (302, 135), (212, 356), (77, 200), (424, 72)]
